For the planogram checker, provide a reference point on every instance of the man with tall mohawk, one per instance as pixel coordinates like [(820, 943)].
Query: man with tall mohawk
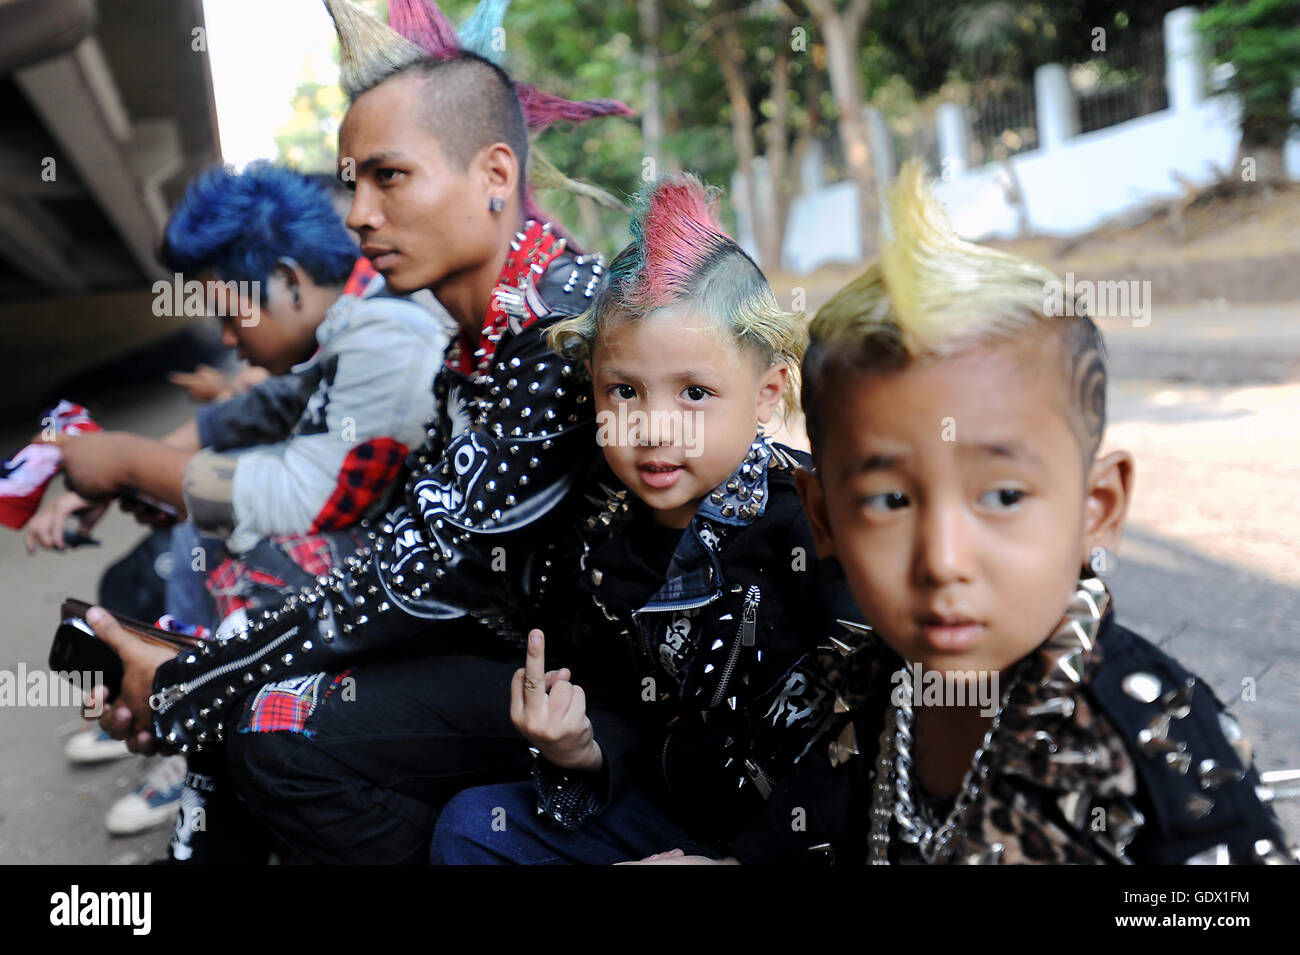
[(353, 765), (423, 23)]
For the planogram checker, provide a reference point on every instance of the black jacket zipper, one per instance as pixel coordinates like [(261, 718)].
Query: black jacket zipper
[(744, 637)]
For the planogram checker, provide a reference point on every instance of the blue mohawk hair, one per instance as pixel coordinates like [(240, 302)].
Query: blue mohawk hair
[(237, 225)]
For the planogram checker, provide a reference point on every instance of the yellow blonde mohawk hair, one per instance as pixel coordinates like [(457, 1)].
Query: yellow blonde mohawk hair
[(930, 291), (932, 294)]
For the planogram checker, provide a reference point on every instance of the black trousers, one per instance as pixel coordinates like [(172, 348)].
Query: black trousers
[(364, 779)]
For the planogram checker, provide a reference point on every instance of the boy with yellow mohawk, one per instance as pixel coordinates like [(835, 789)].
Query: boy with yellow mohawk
[(955, 422)]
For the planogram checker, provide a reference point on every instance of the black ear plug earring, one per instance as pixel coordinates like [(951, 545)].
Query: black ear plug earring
[(497, 204)]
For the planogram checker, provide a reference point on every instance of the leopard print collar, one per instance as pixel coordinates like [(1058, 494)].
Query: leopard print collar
[(1061, 781)]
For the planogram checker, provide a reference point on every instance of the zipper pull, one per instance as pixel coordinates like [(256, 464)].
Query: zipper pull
[(169, 695), (749, 622), (759, 778)]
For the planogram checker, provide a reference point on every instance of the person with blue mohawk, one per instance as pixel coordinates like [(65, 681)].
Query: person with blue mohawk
[(346, 716), (276, 480), (291, 293)]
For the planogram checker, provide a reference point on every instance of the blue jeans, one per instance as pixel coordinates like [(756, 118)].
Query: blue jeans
[(188, 599), (499, 825)]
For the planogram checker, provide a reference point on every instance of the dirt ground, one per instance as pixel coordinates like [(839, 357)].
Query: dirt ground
[(1243, 248)]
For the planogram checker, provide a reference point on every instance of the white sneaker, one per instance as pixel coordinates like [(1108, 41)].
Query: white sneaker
[(94, 746), (154, 802)]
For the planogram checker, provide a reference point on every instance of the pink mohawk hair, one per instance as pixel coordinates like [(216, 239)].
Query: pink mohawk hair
[(424, 24), (542, 108), (681, 256), (675, 230)]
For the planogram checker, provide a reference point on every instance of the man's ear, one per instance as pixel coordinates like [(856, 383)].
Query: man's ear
[(500, 169), (1110, 486), (814, 506), (771, 388)]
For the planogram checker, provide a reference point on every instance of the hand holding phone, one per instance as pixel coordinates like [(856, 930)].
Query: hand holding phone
[(127, 653)]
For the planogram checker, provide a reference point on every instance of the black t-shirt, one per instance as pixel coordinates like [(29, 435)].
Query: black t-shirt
[(640, 554), (654, 543)]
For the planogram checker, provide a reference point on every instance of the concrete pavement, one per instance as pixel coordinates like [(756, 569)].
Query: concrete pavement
[(1207, 397)]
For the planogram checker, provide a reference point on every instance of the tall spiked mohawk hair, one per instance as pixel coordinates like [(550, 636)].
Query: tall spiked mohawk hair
[(371, 50), (423, 23), (931, 294), (681, 256)]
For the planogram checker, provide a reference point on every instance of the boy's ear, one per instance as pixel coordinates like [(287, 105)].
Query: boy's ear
[(771, 388), (292, 276), (814, 506), (1110, 485)]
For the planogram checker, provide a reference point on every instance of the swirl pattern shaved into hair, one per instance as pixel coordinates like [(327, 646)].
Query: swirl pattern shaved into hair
[(1087, 367)]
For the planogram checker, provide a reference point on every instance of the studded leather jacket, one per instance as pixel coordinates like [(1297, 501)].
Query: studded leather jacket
[(701, 683), (511, 438), (1108, 754)]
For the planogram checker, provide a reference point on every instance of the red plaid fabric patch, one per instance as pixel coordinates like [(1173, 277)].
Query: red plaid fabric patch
[(364, 478), (226, 584), (234, 579), (311, 553), (286, 706)]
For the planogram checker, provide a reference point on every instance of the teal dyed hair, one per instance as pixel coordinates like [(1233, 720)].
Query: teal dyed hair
[(479, 31)]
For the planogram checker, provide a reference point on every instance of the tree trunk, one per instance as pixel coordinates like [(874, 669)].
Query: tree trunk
[(770, 233), (841, 33), (812, 96), (729, 51), (652, 121), (1260, 157)]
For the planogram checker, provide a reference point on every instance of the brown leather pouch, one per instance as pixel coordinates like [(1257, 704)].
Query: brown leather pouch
[(147, 632)]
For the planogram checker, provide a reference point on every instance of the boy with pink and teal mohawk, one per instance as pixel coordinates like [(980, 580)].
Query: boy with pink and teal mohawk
[(1000, 712), (689, 689)]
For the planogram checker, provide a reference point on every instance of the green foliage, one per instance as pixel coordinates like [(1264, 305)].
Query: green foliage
[(589, 48), (998, 42), (308, 141), (1261, 40)]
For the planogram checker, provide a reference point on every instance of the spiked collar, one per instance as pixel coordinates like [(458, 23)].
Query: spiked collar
[(742, 498), (516, 303), (1065, 745), (1052, 738)]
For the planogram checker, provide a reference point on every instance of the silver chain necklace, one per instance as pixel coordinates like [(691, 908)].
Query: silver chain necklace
[(1062, 655), (892, 792)]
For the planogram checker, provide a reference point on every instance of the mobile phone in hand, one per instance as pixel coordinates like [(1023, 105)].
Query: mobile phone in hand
[(138, 497), (77, 651), (73, 538)]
